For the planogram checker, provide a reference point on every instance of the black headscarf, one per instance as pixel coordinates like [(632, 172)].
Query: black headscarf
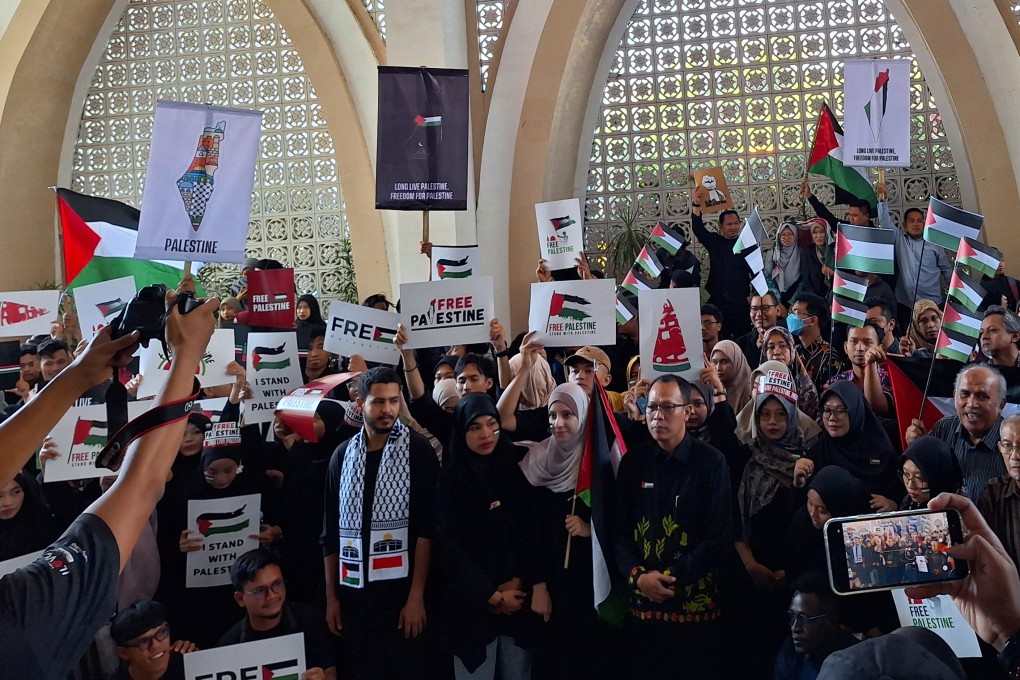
[(843, 494), (32, 528), (313, 305), (484, 469), (865, 451), (937, 463)]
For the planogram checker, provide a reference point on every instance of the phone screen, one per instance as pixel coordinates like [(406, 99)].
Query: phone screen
[(879, 552)]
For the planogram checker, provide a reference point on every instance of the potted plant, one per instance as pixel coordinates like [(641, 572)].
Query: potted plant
[(626, 241)]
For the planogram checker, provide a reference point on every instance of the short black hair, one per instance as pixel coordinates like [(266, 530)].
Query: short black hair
[(913, 210), (713, 311), (887, 310), (770, 291), (51, 347), (245, 567), (817, 583), (316, 330), (380, 375), (861, 205), (373, 300), (483, 363), (724, 213), (816, 305), (29, 348), (869, 324), (681, 278), (141, 616), (269, 263), (685, 387)]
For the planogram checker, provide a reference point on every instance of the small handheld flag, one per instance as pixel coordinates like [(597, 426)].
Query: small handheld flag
[(625, 311), (636, 281), (647, 261), (865, 249), (667, 238), (966, 290), (976, 255), (849, 286), (759, 284), (961, 320), (752, 234), (754, 259), (953, 345), (849, 311), (946, 224)]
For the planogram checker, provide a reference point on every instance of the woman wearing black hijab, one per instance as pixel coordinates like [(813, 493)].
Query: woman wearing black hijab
[(486, 548), (26, 523), (308, 311), (929, 467), (855, 440)]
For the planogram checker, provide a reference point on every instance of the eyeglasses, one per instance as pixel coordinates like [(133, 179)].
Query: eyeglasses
[(801, 620), (801, 314), (1009, 448), (144, 643), (277, 586), (665, 408), (838, 413), (762, 308), (909, 479), (705, 324)]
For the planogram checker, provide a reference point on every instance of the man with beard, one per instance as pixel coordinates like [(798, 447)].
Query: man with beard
[(377, 536), (260, 590)]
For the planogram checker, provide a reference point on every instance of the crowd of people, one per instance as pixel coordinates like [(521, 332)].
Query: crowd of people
[(435, 527)]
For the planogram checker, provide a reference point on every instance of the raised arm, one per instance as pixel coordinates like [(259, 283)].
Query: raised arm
[(497, 336), (507, 405), (415, 385), (816, 205)]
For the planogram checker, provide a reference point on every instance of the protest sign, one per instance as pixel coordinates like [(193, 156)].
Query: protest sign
[(274, 657), (365, 331), (28, 312), (876, 117), (574, 313), (940, 615), (455, 262), (560, 232), (12, 565), (297, 409), (79, 436), (670, 334), (451, 312), (224, 525), (211, 371), (422, 139), (198, 183), (271, 298), (273, 371), (713, 180), (98, 304), (210, 408)]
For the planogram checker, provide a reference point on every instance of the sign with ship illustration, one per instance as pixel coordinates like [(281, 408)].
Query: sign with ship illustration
[(670, 321)]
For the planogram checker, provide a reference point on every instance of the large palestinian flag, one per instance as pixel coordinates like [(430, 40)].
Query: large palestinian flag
[(99, 237), (827, 159)]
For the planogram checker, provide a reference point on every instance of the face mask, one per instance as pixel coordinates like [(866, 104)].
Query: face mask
[(794, 324)]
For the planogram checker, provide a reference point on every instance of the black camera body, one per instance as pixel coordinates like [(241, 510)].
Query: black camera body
[(146, 313)]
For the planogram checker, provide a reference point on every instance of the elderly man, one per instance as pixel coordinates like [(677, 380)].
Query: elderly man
[(973, 433), (1000, 333)]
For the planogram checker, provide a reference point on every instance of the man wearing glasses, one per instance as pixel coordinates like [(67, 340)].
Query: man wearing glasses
[(670, 534), (814, 629), (142, 636), (764, 315), (260, 590)]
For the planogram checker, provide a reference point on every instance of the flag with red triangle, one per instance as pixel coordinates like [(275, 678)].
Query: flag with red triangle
[(826, 159), (865, 249)]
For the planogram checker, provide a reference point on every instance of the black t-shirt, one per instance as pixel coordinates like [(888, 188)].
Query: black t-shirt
[(296, 618), (51, 609), (174, 670)]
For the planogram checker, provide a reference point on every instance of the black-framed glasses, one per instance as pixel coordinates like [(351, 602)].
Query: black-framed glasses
[(162, 633), (277, 586), (755, 308), (838, 413), (665, 408), (915, 479), (801, 620)]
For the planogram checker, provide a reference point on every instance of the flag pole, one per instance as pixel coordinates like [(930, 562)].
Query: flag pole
[(934, 358), (832, 322), (566, 556), (425, 226), (595, 394)]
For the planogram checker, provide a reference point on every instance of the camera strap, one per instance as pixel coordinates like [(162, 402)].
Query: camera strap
[(125, 432)]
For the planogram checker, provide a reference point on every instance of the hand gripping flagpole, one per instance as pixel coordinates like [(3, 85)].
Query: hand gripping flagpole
[(596, 393)]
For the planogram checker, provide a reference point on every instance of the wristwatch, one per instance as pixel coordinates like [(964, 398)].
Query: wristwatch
[(1009, 657)]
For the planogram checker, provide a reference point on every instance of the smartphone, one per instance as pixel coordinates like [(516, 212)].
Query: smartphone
[(869, 553)]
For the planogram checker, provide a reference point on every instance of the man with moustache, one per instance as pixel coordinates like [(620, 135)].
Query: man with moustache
[(377, 537)]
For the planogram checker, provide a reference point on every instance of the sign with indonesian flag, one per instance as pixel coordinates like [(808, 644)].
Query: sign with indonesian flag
[(225, 526), (271, 658), (271, 298), (670, 335), (450, 312), (574, 313), (876, 122), (365, 331), (28, 312)]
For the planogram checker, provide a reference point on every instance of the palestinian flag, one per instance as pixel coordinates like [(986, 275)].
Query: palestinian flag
[(428, 121), (453, 269), (752, 234), (760, 284), (865, 249), (827, 159), (89, 433), (99, 244), (279, 297), (946, 224), (636, 281), (667, 238), (976, 255), (562, 222), (111, 308), (280, 670), (966, 290), (849, 311), (953, 345), (625, 311), (648, 262), (350, 573), (384, 335), (754, 259), (259, 354), (849, 286), (568, 306), (961, 320), (876, 108), (210, 523), (603, 449)]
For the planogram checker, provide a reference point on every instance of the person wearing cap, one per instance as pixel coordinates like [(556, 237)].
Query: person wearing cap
[(590, 363), (144, 646), (239, 288)]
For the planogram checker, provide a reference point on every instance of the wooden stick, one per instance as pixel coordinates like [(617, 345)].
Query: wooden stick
[(187, 269), (566, 557), (425, 226)]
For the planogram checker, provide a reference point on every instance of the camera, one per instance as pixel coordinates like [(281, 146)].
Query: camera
[(146, 312)]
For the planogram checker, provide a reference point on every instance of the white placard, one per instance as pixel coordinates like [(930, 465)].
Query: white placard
[(560, 232), (574, 313), (876, 120), (451, 312), (28, 312), (12, 565), (224, 525), (99, 303), (278, 657), (670, 335), (79, 436), (940, 615), (455, 262), (367, 332), (210, 407), (211, 370), (198, 183), (273, 371)]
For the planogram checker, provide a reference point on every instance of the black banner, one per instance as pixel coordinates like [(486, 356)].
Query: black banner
[(422, 152)]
